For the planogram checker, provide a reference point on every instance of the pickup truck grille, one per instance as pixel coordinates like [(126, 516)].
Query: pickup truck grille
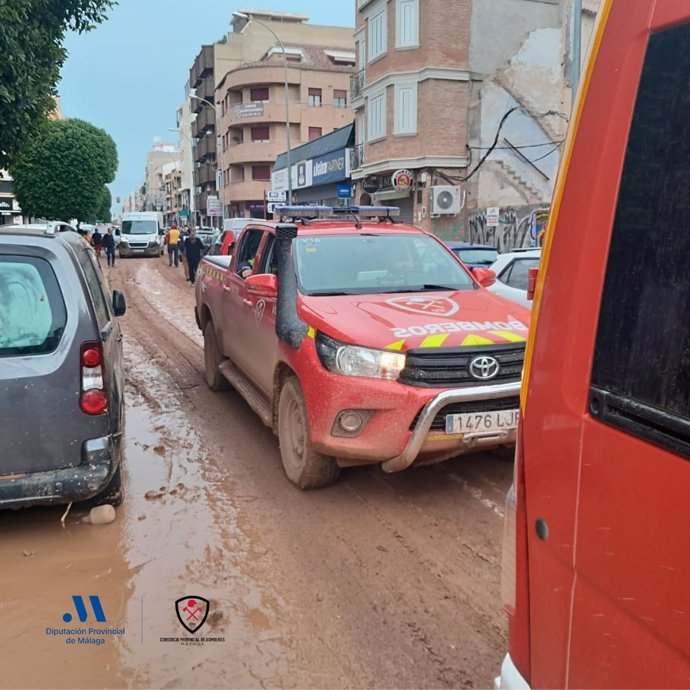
[(439, 423), (449, 367)]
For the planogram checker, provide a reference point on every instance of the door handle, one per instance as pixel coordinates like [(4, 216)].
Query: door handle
[(119, 338), (247, 302)]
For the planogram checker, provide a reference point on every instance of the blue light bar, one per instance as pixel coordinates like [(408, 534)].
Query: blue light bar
[(330, 211)]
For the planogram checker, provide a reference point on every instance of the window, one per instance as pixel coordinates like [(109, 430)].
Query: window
[(261, 173), (92, 273), (314, 133), (259, 94), (378, 35), (641, 369), (314, 98), (339, 98), (406, 108), (32, 311), (377, 117), (516, 275), (261, 134), (407, 24), (249, 249)]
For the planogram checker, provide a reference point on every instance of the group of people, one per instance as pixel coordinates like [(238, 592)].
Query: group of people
[(184, 247), (104, 242)]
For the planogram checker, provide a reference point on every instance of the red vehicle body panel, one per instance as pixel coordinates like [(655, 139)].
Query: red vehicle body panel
[(608, 596), (397, 322)]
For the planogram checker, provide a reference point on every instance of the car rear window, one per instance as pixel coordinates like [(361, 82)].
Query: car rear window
[(32, 309), (477, 256)]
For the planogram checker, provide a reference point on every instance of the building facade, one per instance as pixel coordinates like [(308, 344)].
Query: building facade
[(162, 154), (462, 106), (186, 199)]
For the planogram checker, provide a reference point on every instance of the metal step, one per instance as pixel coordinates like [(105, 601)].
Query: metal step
[(246, 389)]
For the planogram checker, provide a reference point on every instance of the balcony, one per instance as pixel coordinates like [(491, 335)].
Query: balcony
[(206, 90), (206, 147), (206, 174), (202, 199), (205, 121), (358, 156), (357, 83), (250, 190), (256, 151), (262, 112), (203, 66)]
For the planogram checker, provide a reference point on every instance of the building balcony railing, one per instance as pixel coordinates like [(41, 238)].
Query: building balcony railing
[(357, 156), (205, 90), (205, 121), (206, 147), (204, 175), (357, 83), (262, 112), (202, 66), (249, 190)]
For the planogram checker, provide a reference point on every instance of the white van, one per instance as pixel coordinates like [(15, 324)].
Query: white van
[(140, 234)]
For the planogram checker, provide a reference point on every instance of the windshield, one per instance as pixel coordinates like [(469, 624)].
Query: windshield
[(375, 264), (139, 227), (477, 256)]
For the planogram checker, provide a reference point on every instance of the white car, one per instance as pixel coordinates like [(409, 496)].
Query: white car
[(511, 274)]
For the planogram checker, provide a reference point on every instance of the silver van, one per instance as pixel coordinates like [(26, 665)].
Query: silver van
[(61, 372)]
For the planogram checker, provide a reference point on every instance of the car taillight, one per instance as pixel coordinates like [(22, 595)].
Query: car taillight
[(514, 585), (93, 399)]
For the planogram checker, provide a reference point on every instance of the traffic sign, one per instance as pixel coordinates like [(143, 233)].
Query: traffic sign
[(344, 191), (276, 197)]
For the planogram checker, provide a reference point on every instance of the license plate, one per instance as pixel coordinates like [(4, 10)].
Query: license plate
[(476, 422)]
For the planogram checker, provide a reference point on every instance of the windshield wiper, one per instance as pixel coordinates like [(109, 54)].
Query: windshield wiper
[(422, 288), (330, 294)]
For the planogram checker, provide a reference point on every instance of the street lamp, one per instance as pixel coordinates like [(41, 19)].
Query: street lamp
[(242, 15)]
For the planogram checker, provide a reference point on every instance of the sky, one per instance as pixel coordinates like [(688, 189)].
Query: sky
[(128, 75)]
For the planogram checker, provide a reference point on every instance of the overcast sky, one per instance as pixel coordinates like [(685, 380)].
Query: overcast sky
[(128, 75)]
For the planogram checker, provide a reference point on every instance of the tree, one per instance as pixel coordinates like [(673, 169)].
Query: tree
[(31, 44), (105, 201), (62, 173)]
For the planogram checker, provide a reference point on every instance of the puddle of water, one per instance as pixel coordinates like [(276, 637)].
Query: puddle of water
[(188, 538)]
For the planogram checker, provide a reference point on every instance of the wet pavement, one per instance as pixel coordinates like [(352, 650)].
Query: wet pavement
[(379, 581)]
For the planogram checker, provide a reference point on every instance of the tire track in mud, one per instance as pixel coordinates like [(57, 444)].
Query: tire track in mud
[(379, 581)]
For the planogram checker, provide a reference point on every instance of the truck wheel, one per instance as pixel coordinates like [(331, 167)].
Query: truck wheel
[(302, 464), (113, 493), (212, 360)]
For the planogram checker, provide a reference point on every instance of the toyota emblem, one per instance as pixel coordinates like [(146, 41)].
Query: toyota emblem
[(484, 367)]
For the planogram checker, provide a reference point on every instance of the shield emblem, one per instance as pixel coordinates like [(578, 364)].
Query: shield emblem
[(192, 612), (436, 306)]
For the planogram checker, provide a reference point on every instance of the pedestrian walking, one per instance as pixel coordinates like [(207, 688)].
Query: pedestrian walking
[(183, 257), (108, 243), (193, 249), (97, 239), (173, 241)]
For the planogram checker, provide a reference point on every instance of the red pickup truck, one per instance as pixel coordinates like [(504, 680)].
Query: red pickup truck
[(361, 340)]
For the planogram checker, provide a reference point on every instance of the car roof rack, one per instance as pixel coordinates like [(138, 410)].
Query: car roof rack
[(306, 213)]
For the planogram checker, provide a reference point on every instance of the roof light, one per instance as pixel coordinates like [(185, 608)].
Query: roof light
[(330, 211)]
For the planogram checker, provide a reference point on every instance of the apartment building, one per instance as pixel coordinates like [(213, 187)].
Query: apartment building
[(186, 199), (172, 179), (461, 109), (161, 155)]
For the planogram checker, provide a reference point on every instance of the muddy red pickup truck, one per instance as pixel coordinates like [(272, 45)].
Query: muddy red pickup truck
[(360, 340)]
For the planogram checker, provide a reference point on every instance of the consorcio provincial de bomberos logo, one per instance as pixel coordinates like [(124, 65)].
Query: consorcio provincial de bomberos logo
[(192, 611), (92, 629)]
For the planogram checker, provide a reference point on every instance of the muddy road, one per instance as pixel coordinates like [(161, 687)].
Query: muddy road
[(380, 581)]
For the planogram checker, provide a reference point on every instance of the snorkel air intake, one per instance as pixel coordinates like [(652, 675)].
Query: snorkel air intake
[(289, 327)]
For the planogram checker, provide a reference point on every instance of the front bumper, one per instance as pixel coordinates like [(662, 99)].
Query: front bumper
[(510, 678), (145, 251), (100, 459)]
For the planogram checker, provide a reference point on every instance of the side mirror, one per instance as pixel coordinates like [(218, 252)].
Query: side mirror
[(532, 275), (119, 305), (117, 232), (262, 284), (484, 276)]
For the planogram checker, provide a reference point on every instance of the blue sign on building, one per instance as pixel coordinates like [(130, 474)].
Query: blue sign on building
[(344, 191), (331, 167)]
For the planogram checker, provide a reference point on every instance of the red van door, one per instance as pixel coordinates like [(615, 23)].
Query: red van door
[(606, 427)]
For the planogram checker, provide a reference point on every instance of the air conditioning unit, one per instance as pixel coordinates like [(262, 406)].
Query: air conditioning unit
[(445, 200)]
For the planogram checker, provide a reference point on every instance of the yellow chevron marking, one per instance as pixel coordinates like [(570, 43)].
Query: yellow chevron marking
[(476, 340), (311, 332), (510, 337), (434, 340), (398, 345)]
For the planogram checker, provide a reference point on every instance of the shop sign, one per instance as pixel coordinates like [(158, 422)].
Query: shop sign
[(402, 180)]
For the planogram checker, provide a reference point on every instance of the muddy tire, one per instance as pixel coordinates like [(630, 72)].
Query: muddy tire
[(212, 360), (303, 466), (113, 493)]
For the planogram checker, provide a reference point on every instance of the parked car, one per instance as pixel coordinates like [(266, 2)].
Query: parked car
[(511, 274), (207, 235), (223, 244), (474, 255), (61, 372), (361, 343)]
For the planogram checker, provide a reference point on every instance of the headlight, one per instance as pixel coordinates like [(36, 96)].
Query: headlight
[(352, 360), (124, 240)]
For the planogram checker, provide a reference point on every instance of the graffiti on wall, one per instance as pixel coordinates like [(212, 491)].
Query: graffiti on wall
[(515, 229)]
